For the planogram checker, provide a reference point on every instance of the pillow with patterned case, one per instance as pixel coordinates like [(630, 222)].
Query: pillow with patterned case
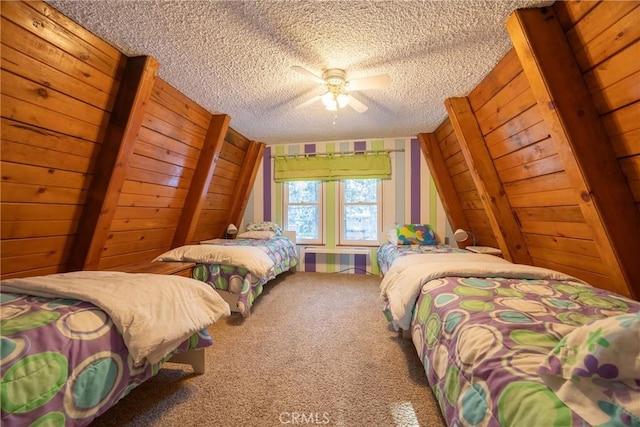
[(415, 234)]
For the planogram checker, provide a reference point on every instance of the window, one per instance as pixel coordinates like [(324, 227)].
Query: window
[(303, 210), (360, 206)]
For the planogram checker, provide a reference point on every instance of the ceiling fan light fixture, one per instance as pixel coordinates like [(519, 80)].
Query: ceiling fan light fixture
[(337, 88), (333, 101)]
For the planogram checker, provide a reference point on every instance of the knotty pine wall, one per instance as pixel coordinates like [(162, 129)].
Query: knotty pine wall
[(103, 163), (452, 175), (551, 139)]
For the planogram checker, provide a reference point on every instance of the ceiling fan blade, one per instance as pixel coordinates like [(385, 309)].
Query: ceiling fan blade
[(308, 74), (308, 102), (357, 105), (374, 82)]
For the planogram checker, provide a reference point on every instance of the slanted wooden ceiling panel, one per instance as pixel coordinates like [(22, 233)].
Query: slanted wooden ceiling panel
[(555, 65), (486, 180), (161, 167), (606, 42), (607, 50), (208, 162), (255, 152), (514, 98), (104, 165), (574, 11), (532, 174), (594, 38), (223, 187), (58, 88), (455, 183)]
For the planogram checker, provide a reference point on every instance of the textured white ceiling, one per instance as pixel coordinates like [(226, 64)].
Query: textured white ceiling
[(234, 57)]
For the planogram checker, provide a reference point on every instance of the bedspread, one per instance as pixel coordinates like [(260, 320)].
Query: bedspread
[(238, 280), (483, 342), (64, 362), (136, 304), (401, 286)]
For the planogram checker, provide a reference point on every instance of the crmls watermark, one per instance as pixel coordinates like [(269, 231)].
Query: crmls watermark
[(297, 418)]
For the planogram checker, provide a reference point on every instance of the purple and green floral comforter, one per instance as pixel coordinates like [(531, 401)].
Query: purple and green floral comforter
[(388, 252), (239, 280), (64, 362), (523, 352)]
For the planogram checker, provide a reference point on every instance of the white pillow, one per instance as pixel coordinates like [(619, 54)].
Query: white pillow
[(392, 236), (263, 234)]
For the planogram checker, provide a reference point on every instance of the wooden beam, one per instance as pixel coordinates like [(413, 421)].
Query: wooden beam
[(444, 184), (201, 180), (112, 163), (246, 181), (494, 199), (567, 107)]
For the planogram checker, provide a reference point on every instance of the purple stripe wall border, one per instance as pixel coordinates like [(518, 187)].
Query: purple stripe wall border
[(310, 263), (360, 263), (415, 181), (266, 179)]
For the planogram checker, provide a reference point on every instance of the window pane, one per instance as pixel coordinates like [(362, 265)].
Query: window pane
[(361, 222), (303, 191), (304, 220), (360, 191)]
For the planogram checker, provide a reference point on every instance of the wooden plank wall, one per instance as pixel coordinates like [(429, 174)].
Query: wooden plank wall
[(605, 41), (160, 172), (59, 84), (60, 88), (557, 194), (459, 194), (220, 195)]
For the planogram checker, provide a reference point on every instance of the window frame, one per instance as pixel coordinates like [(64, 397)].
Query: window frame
[(321, 213), (342, 241)]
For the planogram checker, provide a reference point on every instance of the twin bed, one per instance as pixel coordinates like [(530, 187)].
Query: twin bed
[(74, 344), (514, 345), (501, 343), (239, 268)]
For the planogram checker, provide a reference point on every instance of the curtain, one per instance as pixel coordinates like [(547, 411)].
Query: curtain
[(328, 167)]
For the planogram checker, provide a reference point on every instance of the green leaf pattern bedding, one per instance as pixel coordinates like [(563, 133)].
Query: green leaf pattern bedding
[(238, 280)]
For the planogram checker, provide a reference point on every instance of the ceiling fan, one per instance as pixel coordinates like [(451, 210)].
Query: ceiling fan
[(338, 89)]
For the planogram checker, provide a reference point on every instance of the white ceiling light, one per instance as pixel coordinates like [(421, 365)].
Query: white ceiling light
[(334, 100), (336, 96), (338, 90)]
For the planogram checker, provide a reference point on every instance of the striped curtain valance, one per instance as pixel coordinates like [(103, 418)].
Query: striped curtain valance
[(330, 167)]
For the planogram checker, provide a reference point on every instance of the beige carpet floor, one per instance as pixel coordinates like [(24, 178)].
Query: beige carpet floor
[(316, 350)]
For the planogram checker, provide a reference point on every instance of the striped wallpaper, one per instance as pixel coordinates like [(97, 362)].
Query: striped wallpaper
[(408, 197)]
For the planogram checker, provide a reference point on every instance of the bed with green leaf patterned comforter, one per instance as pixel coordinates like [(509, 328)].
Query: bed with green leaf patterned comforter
[(240, 281), (64, 362), (504, 351)]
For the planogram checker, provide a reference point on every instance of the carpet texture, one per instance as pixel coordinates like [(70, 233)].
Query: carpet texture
[(315, 351)]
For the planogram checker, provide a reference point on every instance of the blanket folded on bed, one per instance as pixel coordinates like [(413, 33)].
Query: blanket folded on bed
[(154, 313), (254, 259), (401, 285)]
